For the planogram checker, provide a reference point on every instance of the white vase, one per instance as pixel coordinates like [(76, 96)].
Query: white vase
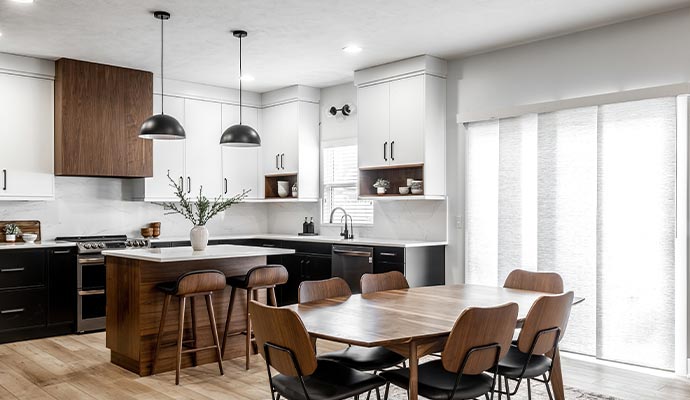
[(199, 237), (283, 188), (10, 238), (380, 190)]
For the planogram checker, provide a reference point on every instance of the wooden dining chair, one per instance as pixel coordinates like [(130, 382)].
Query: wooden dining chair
[(531, 358), (467, 368), (370, 283), (538, 281), (284, 343), (359, 358)]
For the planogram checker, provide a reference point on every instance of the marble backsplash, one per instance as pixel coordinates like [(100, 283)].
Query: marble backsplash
[(93, 206)]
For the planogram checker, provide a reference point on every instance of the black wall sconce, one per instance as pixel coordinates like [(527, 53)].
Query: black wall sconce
[(345, 110)]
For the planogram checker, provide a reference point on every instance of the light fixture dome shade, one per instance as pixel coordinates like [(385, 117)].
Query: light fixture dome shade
[(240, 136), (161, 127)]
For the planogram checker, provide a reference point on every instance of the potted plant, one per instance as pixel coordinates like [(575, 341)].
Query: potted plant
[(199, 212), (11, 232), (381, 186)]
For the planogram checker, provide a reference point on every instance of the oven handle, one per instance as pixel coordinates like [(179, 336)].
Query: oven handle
[(91, 292)]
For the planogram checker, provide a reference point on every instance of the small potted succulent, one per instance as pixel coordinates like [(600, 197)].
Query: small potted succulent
[(381, 186), (11, 232)]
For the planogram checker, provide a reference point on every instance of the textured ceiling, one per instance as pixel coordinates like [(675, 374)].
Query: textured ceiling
[(293, 41)]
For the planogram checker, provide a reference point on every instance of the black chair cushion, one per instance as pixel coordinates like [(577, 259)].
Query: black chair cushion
[(364, 358), (330, 381), (511, 365), (167, 287), (436, 383), (239, 281)]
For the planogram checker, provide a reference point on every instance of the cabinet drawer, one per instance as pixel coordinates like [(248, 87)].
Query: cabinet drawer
[(22, 308), (22, 269), (309, 247), (389, 254)]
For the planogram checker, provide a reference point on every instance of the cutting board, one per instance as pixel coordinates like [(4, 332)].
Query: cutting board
[(25, 226)]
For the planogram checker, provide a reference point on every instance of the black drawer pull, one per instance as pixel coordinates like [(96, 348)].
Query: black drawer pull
[(389, 254), (12, 311), (61, 251), (12, 269)]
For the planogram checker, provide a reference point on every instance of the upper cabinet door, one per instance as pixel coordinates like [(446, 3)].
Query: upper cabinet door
[(203, 159), (168, 155), (407, 121), (270, 140), (373, 126), (26, 138), (289, 118), (240, 164)]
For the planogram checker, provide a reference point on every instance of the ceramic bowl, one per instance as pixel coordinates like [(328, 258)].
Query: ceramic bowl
[(29, 237), (417, 191), (403, 190)]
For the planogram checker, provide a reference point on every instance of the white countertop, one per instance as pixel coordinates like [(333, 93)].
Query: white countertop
[(172, 254), (35, 245), (362, 241)]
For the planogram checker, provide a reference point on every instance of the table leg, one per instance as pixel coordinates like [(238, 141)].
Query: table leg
[(557, 377), (414, 364)]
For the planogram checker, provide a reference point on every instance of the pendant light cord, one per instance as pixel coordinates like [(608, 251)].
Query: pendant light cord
[(240, 80), (162, 91)]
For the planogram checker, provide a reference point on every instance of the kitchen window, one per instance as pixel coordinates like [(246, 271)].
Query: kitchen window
[(340, 175)]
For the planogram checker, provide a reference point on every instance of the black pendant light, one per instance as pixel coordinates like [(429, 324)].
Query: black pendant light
[(240, 135), (161, 126)]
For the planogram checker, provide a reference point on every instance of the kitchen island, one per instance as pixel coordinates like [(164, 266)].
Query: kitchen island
[(134, 305)]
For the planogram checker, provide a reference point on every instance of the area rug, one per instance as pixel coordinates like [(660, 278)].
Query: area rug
[(538, 393)]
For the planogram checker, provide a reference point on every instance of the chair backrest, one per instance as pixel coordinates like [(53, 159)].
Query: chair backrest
[(201, 281), (283, 327), (548, 282), (324, 289), (548, 312), (477, 327), (370, 283), (266, 276)]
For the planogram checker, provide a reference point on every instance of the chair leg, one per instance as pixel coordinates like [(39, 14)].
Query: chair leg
[(385, 393), (272, 296), (248, 341), (180, 333), (507, 389), (226, 332), (192, 309), (166, 303), (214, 330), (548, 388), (368, 395), (529, 390), (500, 387), (378, 394)]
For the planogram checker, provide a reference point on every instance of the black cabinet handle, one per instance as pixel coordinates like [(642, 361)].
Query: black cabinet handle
[(182, 183), (61, 251), (277, 155), (20, 269), (12, 311), (4, 179), (281, 161), (385, 147), (392, 151), (226, 185), (189, 184)]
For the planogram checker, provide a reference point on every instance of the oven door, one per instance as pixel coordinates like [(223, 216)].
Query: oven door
[(90, 293)]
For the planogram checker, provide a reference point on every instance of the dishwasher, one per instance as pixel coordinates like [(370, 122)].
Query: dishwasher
[(351, 262)]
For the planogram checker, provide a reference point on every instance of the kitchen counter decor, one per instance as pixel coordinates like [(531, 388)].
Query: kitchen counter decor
[(199, 212), (381, 185)]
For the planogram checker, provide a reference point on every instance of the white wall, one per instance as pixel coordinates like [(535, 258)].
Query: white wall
[(647, 52)]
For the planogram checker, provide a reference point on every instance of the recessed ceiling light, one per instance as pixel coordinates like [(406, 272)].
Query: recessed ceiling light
[(23, 1), (352, 49), (247, 78)]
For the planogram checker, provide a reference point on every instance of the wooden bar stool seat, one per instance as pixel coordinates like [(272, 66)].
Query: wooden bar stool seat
[(190, 285), (264, 277)]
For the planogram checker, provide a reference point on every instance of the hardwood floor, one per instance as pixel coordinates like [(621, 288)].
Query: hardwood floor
[(78, 367)]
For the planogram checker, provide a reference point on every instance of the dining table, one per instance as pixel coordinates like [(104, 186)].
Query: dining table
[(413, 322)]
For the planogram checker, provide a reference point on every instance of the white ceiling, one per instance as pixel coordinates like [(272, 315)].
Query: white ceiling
[(293, 41)]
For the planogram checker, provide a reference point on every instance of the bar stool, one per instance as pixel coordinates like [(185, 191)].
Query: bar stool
[(261, 277), (191, 284)]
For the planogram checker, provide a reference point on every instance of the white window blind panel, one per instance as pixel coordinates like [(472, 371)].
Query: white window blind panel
[(567, 214), (340, 177), (482, 203), (636, 222)]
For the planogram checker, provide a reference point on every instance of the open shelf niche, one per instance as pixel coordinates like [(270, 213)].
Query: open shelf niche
[(396, 175), (271, 188)]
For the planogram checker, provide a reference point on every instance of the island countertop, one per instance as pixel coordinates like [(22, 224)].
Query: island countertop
[(176, 254)]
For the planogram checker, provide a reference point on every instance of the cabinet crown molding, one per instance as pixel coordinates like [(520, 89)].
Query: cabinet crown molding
[(424, 64), (290, 94)]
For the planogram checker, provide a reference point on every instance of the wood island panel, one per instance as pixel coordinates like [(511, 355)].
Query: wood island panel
[(134, 306)]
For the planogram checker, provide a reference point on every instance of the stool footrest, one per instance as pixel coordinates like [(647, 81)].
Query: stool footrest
[(198, 349)]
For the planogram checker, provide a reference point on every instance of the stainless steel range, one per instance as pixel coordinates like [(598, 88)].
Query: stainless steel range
[(91, 276)]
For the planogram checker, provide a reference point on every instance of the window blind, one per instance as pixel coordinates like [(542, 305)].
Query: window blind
[(340, 177), (588, 193)]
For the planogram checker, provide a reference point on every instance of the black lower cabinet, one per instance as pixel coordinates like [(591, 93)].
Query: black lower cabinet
[(302, 267), (62, 290)]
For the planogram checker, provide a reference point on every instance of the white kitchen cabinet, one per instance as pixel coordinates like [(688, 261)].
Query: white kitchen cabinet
[(406, 121), (240, 164), (281, 142), (26, 137), (168, 155), (203, 151), (373, 125)]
